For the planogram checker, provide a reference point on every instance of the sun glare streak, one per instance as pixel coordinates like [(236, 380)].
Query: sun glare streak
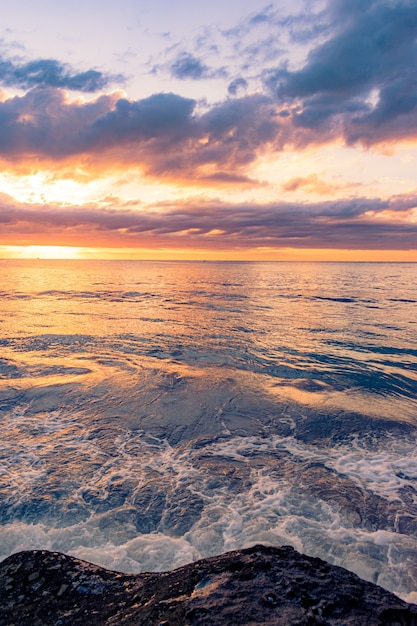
[(49, 252)]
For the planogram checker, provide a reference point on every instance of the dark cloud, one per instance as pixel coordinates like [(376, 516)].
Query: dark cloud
[(52, 73), (162, 133), (189, 67), (345, 224), (361, 80), (236, 85), (45, 123), (162, 116), (227, 178)]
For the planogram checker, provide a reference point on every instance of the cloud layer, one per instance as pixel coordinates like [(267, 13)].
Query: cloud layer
[(362, 223)]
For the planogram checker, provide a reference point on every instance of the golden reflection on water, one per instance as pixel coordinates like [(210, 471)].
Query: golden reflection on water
[(288, 323), (355, 400)]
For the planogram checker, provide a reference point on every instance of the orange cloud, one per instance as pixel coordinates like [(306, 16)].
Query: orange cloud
[(314, 184)]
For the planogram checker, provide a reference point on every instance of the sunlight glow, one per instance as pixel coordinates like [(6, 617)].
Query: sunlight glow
[(49, 252), (261, 253)]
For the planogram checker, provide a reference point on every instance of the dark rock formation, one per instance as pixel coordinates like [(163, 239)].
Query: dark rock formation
[(260, 585)]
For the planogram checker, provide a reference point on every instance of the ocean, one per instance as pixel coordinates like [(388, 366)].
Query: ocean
[(153, 413)]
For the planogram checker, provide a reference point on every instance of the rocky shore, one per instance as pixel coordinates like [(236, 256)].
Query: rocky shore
[(259, 585)]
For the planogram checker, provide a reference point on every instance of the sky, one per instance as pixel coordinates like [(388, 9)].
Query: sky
[(225, 130)]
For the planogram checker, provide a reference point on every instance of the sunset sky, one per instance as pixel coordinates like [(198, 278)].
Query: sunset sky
[(218, 130)]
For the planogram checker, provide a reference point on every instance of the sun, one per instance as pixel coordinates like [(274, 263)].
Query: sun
[(50, 252)]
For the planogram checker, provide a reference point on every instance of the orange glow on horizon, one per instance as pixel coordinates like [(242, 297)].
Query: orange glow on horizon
[(183, 254), (40, 252)]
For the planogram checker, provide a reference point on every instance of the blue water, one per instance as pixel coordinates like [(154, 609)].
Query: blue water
[(154, 413)]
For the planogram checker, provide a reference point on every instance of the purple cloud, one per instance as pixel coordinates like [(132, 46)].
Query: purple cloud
[(52, 73), (361, 81), (343, 224)]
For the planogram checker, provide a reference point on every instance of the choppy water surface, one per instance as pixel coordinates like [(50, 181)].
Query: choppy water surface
[(155, 413)]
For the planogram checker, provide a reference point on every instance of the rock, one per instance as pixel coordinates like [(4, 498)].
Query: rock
[(259, 585)]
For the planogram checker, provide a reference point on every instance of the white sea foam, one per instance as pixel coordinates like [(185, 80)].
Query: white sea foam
[(227, 526), (262, 509), (383, 472)]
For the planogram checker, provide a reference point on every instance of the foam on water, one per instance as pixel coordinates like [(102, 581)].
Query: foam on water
[(384, 472), (199, 501)]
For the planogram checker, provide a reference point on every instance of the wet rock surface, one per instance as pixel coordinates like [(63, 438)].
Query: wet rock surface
[(259, 585)]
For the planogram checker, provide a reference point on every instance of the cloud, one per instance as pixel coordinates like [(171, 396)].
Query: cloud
[(360, 82), (259, 53), (316, 185), (161, 134), (357, 82), (52, 73), (361, 223), (161, 116), (261, 38), (237, 85), (256, 41), (188, 67)]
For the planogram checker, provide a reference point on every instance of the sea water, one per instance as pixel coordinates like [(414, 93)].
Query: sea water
[(153, 413)]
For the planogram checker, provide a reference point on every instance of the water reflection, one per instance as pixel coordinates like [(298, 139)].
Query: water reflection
[(152, 413)]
